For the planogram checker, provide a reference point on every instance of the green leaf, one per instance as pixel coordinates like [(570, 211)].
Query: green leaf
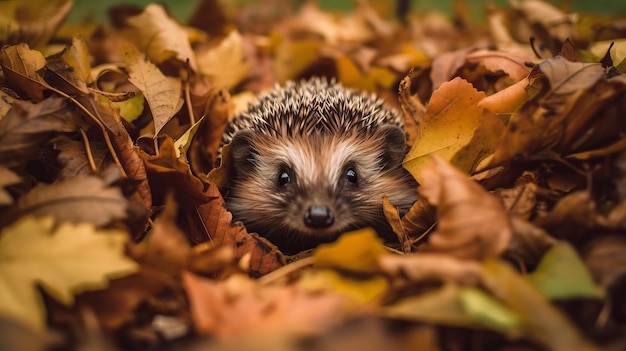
[(64, 261), (132, 108), (488, 311), (562, 275), (356, 252)]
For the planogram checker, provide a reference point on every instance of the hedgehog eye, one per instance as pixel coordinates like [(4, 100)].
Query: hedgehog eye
[(351, 176), (283, 178)]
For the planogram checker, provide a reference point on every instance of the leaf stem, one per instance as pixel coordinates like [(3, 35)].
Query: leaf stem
[(96, 120), (88, 151), (285, 270)]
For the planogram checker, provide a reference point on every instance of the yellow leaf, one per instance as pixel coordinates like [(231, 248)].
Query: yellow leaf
[(158, 35), (350, 75), (163, 93), (20, 65), (77, 56), (64, 261), (294, 56), (451, 118), (356, 251), (224, 63), (358, 291)]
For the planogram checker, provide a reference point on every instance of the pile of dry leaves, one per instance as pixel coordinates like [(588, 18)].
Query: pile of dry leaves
[(115, 237)]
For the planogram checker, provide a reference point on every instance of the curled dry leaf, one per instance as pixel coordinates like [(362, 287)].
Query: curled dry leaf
[(79, 199), (511, 63), (21, 65), (412, 108), (472, 223)]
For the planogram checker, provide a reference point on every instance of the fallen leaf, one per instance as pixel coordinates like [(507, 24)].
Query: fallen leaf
[(358, 291), (7, 177), (212, 222), (412, 108), (553, 329), (65, 261), (239, 307), (21, 66), (507, 100), (562, 275), (452, 117), (356, 252), (472, 223), (32, 22), (511, 63), (78, 199), (27, 125), (160, 37), (162, 93), (73, 157), (488, 311), (292, 57), (224, 63)]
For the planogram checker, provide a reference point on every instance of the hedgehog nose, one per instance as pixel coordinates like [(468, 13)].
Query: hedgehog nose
[(318, 217)]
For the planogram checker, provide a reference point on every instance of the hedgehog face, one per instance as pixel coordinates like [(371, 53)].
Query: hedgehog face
[(313, 189)]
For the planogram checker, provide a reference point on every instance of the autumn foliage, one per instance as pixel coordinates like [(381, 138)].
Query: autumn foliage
[(114, 234)]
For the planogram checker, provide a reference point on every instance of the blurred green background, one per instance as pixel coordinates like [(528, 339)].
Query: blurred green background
[(183, 8)]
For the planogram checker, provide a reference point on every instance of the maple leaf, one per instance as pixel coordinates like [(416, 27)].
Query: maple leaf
[(64, 261)]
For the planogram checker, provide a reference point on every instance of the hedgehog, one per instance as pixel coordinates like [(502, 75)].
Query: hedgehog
[(312, 160)]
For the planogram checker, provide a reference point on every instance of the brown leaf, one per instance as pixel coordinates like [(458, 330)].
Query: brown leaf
[(21, 65), (27, 125), (167, 172), (511, 63), (412, 108), (203, 151), (7, 177), (73, 157), (520, 200), (529, 243), (166, 247), (540, 122), (162, 93), (79, 199), (472, 223), (117, 304), (211, 221)]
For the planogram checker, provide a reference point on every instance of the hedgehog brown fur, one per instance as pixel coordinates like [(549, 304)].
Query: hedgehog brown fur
[(312, 160)]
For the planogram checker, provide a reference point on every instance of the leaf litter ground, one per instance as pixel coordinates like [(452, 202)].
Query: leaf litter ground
[(114, 234)]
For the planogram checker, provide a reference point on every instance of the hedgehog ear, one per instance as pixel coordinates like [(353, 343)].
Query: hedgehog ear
[(241, 151), (393, 139)]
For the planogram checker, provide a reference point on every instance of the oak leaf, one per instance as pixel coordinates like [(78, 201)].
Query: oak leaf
[(63, 260)]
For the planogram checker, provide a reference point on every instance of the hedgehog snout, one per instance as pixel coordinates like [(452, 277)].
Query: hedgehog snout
[(318, 217)]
